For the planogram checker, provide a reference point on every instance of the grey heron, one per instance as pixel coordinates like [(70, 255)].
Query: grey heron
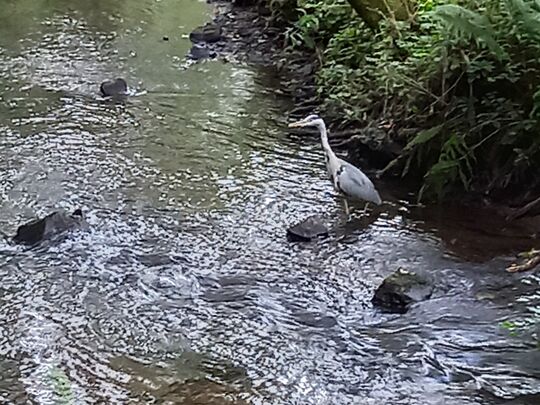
[(346, 178)]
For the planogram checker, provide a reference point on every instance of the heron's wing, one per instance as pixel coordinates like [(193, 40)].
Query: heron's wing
[(353, 183)]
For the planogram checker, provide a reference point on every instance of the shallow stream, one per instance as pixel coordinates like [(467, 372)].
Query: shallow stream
[(184, 289)]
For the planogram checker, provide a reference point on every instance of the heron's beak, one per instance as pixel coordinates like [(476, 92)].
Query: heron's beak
[(297, 124)]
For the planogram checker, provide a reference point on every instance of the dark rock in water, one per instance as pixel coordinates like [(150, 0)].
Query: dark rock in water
[(199, 391), (117, 87), (401, 289), (308, 229), (198, 52), (316, 320), (53, 224), (526, 399), (264, 10), (77, 213), (245, 3), (207, 33)]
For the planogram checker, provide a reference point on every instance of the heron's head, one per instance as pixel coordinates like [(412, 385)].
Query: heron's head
[(312, 120)]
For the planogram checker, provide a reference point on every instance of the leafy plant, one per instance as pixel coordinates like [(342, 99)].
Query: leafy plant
[(469, 25), (317, 21), (454, 165), (468, 68), (62, 386)]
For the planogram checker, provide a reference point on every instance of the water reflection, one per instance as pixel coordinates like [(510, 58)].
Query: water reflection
[(184, 285)]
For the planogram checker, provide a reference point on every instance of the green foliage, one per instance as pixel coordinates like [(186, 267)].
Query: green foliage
[(62, 387), (509, 325), (318, 21), (530, 323), (453, 165), (424, 136), (460, 80), (526, 16), (469, 25)]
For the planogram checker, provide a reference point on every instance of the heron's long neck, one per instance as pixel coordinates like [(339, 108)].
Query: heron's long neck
[(324, 141)]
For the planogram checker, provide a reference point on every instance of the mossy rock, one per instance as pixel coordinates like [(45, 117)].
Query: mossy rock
[(400, 290), (208, 33), (310, 228), (117, 87), (45, 228), (198, 52)]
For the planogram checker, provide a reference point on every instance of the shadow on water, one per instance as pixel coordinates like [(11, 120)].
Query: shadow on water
[(184, 288)]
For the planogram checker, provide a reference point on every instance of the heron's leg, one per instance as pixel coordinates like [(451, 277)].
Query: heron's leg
[(346, 206), (365, 208)]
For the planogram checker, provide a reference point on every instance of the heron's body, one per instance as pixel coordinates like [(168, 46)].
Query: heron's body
[(346, 178), (353, 183)]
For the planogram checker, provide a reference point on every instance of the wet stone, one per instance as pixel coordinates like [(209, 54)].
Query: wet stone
[(402, 289), (312, 227), (200, 392), (118, 87), (264, 10), (207, 33), (198, 52), (53, 224), (316, 320)]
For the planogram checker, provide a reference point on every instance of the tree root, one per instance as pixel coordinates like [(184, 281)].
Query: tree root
[(523, 210), (532, 259)]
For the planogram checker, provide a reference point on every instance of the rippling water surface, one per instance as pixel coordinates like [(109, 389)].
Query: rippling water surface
[(183, 289)]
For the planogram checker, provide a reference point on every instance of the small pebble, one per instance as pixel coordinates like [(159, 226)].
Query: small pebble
[(165, 38)]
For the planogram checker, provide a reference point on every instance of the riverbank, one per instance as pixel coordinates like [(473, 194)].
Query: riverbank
[(379, 92)]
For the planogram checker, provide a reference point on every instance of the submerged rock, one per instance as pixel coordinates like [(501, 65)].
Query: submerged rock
[(201, 391), (308, 229), (401, 289), (197, 380), (316, 320), (264, 10), (206, 33), (117, 87), (50, 226), (198, 52)]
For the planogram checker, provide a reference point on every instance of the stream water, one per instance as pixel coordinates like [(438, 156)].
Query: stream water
[(184, 289)]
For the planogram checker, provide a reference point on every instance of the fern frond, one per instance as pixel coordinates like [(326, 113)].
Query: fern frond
[(470, 25), (526, 15)]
